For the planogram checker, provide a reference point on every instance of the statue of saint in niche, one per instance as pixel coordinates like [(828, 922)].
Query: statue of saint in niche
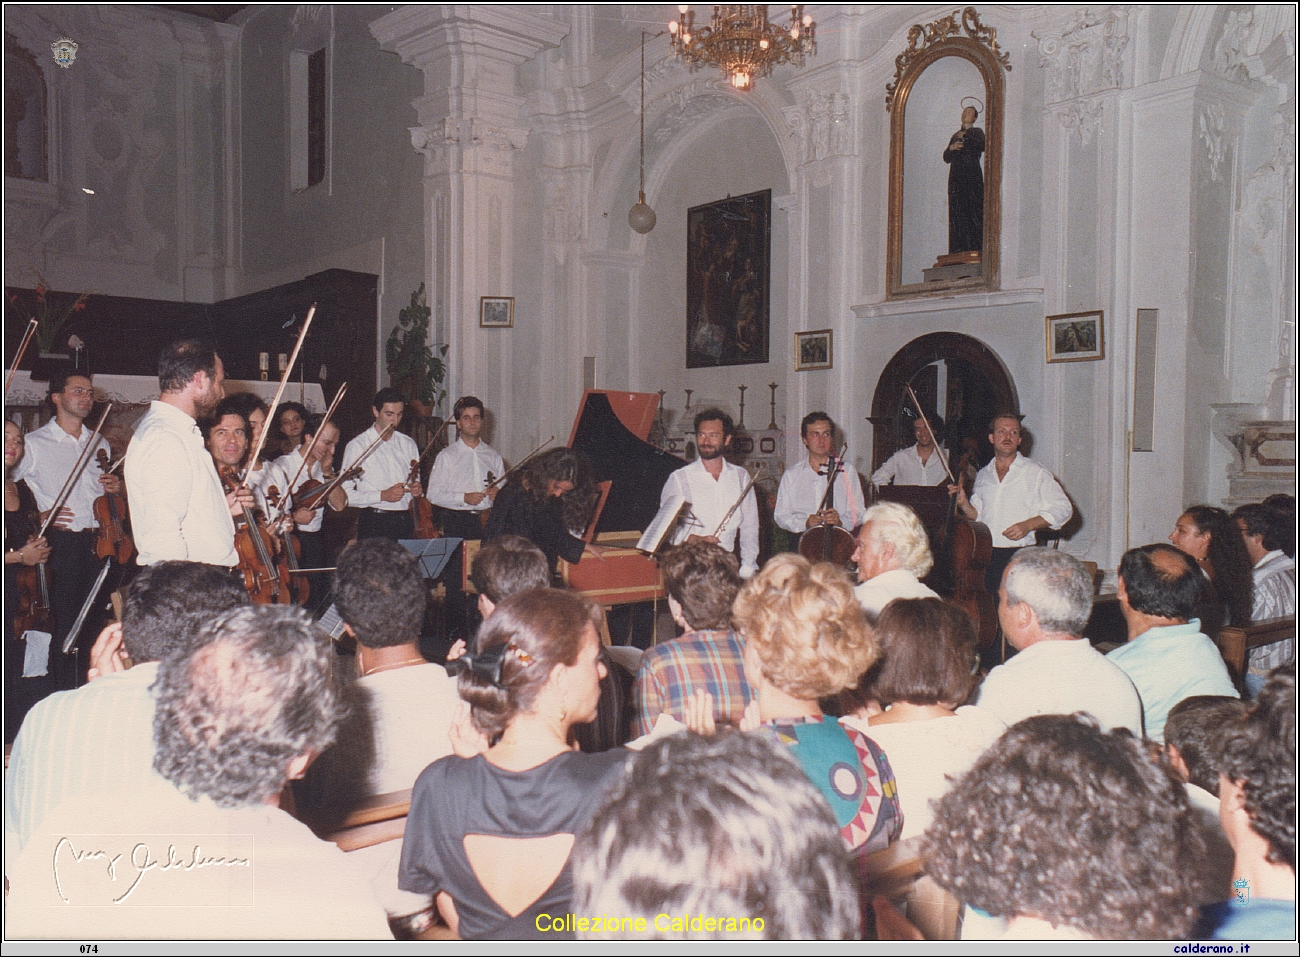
[(965, 186)]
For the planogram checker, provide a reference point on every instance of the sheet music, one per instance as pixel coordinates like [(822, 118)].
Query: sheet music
[(664, 522)]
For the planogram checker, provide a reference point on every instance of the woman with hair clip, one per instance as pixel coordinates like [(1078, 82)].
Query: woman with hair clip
[(1210, 536), (550, 503), (490, 835), (22, 550)]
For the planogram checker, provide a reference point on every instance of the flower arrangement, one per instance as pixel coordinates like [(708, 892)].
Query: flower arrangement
[(53, 312)]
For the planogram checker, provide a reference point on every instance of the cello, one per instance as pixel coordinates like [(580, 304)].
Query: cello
[(112, 540), (825, 542)]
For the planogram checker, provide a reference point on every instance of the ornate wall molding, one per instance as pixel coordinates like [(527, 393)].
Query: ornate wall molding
[(1087, 55), (1210, 131), (491, 147), (564, 213), (922, 36), (822, 125), (1232, 47), (1082, 118)]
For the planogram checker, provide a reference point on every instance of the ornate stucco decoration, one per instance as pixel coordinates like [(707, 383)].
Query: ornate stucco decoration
[(821, 123), (922, 36)]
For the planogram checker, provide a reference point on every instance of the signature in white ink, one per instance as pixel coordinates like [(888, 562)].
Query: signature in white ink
[(141, 859)]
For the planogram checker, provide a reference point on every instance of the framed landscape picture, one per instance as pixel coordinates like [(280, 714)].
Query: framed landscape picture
[(727, 281), (1076, 337)]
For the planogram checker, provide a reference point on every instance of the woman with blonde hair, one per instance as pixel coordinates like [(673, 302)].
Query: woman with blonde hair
[(805, 639)]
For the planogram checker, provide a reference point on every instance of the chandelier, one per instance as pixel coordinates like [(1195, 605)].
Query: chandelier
[(740, 40)]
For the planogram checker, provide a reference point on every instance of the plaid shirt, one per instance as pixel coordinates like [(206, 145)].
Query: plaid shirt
[(671, 673)]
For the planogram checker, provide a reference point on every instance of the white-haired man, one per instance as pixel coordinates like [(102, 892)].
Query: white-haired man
[(893, 555)]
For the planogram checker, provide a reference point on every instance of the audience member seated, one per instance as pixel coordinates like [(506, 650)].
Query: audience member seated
[(1285, 506), (1193, 726), (403, 704), (400, 707), (926, 673), (97, 741), (506, 566), (238, 716), (1044, 604), (490, 835), (702, 581), (1167, 657), (1211, 537), (1069, 832), (805, 639), (893, 554), (1267, 532), (715, 838), (1257, 761)]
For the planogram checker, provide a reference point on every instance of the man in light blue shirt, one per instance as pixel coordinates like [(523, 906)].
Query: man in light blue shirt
[(1167, 658)]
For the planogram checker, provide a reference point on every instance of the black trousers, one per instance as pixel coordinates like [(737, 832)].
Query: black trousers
[(997, 565), (379, 523), (73, 569)]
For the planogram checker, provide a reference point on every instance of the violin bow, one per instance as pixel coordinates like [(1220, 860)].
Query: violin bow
[(279, 392), (943, 459), (82, 461), (306, 456), (522, 462), (22, 349)]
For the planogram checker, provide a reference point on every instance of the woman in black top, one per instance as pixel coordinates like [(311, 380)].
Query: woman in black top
[(549, 503), (490, 835), (22, 548)]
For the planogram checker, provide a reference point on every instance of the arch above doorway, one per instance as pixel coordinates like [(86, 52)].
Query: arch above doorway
[(964, 353)]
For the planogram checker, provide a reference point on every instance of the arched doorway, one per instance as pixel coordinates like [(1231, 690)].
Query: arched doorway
[(958, 376)]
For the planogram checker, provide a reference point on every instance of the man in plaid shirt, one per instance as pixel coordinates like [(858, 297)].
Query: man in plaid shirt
[(702, 581)]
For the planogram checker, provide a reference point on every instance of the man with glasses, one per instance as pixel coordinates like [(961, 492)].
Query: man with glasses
[(52, 452), (713, 485), (1013, 496)]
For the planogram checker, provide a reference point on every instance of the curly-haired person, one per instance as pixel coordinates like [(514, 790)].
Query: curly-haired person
[(1257, 770), (1067, 832), (806, 639)]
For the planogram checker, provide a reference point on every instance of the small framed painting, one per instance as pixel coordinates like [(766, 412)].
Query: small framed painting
[(496, 312), (1076, 337), (813, 350)]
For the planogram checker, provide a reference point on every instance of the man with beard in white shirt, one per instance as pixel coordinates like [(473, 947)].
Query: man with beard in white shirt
[(713, 485), (179, 509)]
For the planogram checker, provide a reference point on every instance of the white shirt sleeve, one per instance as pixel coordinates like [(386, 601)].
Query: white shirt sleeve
[(749, 534), (788, 512), (156, 509), (361, 494)]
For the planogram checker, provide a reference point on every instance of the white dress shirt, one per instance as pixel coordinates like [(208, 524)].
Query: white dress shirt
[(178, 507), (460, 469), (48, 461), (1027, 490), (286, 467), (906, 468), (388, 465), (710, 499), (802, 490)]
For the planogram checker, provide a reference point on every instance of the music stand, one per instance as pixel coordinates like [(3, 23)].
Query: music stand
[(433, 554), (71, 640)]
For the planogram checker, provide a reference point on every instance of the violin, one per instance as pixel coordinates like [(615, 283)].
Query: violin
[(824, 542), (292, 554), (421, 507), (34, 611), (266, 578), (112, 540)]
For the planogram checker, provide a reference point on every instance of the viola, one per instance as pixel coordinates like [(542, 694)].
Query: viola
[(34, 611), (112, 540), (421, 508), (266, 579)]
